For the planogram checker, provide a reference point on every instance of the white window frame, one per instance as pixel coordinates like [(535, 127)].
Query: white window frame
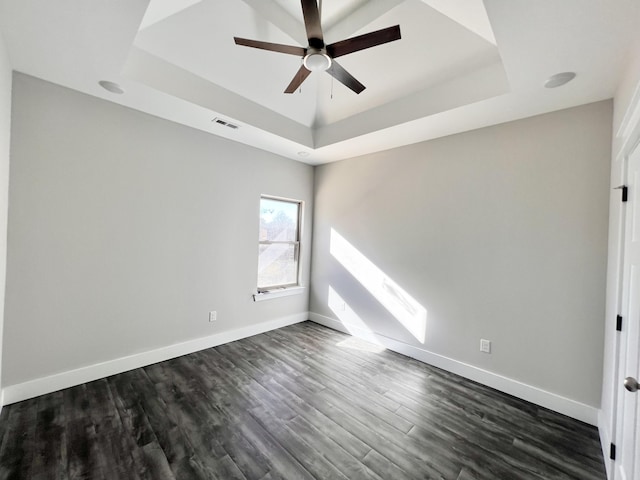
[(274, 291)]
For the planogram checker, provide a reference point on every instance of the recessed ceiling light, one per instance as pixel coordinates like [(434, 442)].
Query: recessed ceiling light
[(111, 86), (303, 154), (559, 79)]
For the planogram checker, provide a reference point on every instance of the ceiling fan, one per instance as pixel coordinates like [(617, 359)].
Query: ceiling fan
[(320, 57)]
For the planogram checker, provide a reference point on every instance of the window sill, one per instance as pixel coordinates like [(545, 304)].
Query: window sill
[(281, 292)]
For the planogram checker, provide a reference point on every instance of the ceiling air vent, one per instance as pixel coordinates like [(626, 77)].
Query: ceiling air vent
[(220, 121)]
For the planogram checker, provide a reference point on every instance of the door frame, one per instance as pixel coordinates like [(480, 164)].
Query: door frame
[(624, 143), (621, 368)]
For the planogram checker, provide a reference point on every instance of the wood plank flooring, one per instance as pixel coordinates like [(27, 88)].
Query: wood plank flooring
[(302, 402)]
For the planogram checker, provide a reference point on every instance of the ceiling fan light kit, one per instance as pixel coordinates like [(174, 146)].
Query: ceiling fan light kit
[(320, 57), (316, 60)]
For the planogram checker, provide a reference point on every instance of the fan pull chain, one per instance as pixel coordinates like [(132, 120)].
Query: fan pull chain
[(331, 88)]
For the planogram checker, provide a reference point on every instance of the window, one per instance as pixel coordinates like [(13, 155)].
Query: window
[(279, 243)]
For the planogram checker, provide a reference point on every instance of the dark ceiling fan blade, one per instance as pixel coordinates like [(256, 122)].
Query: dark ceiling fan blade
[(361, 42), (311, 16), (340, 74), (274, 47), (300, 77)]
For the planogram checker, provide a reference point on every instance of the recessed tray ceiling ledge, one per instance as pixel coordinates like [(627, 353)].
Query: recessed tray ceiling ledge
[(481, 84), (166, 77)]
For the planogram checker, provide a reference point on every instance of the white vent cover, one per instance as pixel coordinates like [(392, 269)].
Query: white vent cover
[(220, 121)]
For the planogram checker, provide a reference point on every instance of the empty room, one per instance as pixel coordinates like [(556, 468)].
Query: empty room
[(319, 239)]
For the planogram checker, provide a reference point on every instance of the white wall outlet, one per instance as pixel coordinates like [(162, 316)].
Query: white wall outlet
[(213, 316), (485, 345)]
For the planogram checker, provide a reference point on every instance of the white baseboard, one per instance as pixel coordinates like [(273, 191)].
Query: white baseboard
[(33, 388), (53, 383), (605, 442), (552, 401)]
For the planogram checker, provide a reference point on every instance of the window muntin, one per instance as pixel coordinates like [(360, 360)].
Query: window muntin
[(279, 243)]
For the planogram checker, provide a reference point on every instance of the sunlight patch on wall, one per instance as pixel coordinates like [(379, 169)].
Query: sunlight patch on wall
[(391, 296), (354, 325)]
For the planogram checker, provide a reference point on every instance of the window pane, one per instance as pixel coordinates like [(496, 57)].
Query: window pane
[(277, 265), (278, 220)]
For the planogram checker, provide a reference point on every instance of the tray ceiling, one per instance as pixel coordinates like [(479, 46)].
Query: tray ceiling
[(460, 64)]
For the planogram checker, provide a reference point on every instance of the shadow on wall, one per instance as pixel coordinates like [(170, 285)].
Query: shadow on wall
[(404, 308)]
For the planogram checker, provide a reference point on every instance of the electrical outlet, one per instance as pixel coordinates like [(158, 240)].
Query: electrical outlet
[(213, 316), (485, 345)]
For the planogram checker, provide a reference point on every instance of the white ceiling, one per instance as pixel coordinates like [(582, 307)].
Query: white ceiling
[(460, 65)]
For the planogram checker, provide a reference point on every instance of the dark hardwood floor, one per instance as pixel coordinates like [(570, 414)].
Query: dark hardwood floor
[(296, 403)]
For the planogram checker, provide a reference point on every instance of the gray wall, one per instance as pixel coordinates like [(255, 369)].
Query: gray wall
[(499, 233), (126, 230), (5, 134)]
